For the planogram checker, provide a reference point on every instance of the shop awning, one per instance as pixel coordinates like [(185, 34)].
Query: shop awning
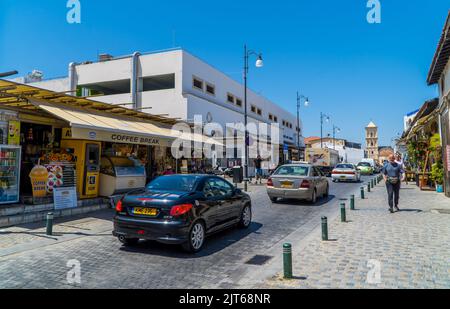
[(103, 127), (89, 118), (17, 96)]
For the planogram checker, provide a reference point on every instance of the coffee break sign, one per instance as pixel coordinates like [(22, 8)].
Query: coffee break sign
[(115, 137)]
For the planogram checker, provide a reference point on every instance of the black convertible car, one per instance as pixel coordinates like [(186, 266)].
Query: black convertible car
[(181, 209)]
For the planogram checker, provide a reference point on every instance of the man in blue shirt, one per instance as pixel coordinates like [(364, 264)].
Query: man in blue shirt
[(393, 174)]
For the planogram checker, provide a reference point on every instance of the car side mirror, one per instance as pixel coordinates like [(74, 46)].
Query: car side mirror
[(237, 191)]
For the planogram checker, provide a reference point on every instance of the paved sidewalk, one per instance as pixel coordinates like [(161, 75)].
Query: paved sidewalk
[(411, 247), (31, 236)]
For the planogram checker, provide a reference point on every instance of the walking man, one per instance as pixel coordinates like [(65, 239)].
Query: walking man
[(258, 167), (393, 174)]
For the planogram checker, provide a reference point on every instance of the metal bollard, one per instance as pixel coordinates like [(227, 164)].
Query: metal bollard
[(49, 224), (368, 187), (372, 184), (362, 193), (324, 228), (352, 202), (343, 215), (287, 261)]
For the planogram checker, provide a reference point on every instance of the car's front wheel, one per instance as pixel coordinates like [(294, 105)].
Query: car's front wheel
[(196, 238), (246, 217)]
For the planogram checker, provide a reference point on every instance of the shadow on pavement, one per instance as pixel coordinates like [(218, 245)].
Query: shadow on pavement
[(213, 244), (293, 202)]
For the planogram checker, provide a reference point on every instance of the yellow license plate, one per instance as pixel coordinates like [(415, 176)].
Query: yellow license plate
[(142, 211), (287, 185)]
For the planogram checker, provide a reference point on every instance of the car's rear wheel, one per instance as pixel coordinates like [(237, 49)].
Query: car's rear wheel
[(128, 241), (196, 238), (246, 217), (313, 199), (327, 192), (274, 199)]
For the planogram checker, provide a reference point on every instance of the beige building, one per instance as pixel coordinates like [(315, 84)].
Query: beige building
[(372, 142)]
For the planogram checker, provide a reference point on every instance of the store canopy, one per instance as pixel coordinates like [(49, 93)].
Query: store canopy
[(16, 95), (94, 120), (442, 55), (427, 111)]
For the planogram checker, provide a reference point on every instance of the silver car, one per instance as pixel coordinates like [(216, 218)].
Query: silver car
[(346, 172), (297, 181)]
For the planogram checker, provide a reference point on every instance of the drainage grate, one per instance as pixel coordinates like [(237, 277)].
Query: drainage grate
[(259, 260)]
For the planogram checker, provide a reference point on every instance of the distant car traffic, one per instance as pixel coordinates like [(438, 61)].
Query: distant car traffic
[(365, 168), (181, 209), (300, 181), (346, 172)]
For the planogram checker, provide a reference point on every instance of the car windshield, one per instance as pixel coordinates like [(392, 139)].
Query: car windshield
[(365, 164), (173, 183), (345, 166), (292, 171)]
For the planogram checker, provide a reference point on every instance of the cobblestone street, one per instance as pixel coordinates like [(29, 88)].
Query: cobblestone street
[(411, 246), (30, 259)]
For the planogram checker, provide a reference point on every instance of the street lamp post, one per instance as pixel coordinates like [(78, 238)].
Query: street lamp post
[(299, 98), (322, 118), (338, 130), (259, 64)]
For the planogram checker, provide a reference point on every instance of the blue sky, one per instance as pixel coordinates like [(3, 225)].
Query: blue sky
[(352, 70)]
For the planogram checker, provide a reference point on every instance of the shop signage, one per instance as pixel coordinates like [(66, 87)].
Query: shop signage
[(14, 132), (65, 198), (106, 136)]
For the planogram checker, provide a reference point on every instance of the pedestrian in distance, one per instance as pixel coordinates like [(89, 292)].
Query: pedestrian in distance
[(259, 173), (393, 174)]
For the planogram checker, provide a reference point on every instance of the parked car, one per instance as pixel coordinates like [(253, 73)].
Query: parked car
[(365, 168), (346, 172), (301, 181), (181, 209)]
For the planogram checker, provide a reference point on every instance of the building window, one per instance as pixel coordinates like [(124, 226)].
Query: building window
[(259, 111), (275, 118), (210, 89), (253, 109), (239, 102), (159, 82), (107, 88), (197, 83), (230, 98), (284, 123), (270, 117)]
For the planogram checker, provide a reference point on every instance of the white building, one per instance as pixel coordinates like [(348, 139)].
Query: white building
[(176, 84), (348, 152), (408, 119)]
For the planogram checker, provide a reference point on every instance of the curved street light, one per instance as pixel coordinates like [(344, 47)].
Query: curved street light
[(299, 99), (259, 64)]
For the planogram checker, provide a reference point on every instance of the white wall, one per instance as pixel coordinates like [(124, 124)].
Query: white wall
[(192, 66), (348, 155), (118, 69), (58, 85)]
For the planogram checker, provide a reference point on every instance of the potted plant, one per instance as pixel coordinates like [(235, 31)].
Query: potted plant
[(437, 175)]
